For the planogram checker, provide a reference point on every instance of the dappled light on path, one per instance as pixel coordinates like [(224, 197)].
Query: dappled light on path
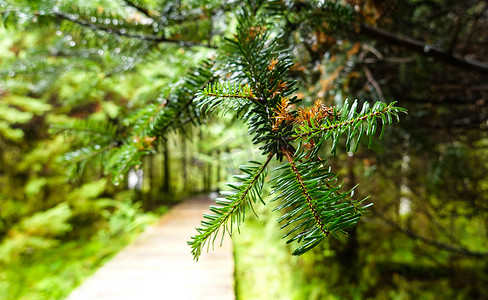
[(158, 265)]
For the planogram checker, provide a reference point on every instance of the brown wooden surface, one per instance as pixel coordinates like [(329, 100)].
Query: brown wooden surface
[(158, 265)]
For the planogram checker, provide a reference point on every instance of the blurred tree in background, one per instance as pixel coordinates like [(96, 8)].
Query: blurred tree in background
[(99, 72), (57, 74)]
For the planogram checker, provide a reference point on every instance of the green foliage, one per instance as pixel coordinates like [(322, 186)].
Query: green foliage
[(17, 110), (12, 248), (259, 256), (46, 229), (354, 124), (258, 91), (233, 207), (55, 273), (118, 80), (120, 148), (313, 203), (123, 218), (35, 253), (38, 232), (50, 223)]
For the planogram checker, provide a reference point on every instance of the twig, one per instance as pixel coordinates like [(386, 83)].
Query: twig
[(139, 8), (439, 245), (425, 49), (118, 32), (308, 198), (374, 83)]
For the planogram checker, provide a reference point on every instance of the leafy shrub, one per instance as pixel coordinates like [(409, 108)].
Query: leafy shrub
[(122, 217), (37, 232)]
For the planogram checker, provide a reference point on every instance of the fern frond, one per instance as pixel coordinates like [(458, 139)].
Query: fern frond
[(313, 203), (233, 207), (347, 121)]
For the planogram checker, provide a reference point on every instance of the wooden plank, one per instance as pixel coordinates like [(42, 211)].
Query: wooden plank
[(158, 265)]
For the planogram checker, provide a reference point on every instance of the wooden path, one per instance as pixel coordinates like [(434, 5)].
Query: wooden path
[(158, 265)]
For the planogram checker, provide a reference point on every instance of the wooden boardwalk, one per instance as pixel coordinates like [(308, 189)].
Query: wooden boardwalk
[(158, 265)]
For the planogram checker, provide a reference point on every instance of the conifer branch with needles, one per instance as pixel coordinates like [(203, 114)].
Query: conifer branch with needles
[(250, 78), (104, 142), (314, 205), (123, 33), (233, 207), (312, 201), (305, 192), (347, 121)]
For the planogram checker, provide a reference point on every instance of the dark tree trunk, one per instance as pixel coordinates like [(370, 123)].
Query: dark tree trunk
[(150, 172), (184, 163), (166, 168), (218, 168), (204, 164), (209, 175)]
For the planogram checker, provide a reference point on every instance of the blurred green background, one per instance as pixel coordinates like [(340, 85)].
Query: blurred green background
[(99, 61)]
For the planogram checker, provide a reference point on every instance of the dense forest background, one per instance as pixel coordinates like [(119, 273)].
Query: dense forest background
[(81, 80)]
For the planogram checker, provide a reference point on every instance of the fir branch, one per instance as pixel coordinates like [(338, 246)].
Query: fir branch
[(85, 154), (347, 120), (232, 209), (144, 118), (309, 193), (339, 125), (155, 120), (308, 197), (177, 114), (313, 204), (148, 38), (90, 128), (139, 8), (185, 105), (125, 157), (228, 96), (97, 137)]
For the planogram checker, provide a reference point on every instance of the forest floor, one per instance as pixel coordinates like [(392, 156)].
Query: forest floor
[(158, 265)]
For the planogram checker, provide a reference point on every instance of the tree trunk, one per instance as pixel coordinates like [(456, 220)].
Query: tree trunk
[(184, 163), (218, 168), (204, 164), (166, 168), (209, 175)]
